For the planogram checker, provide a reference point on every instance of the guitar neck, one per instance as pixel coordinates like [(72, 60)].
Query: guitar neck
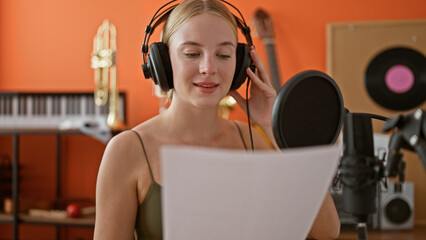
[(272, 62)]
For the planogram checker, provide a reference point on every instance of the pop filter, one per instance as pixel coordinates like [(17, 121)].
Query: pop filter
[(308, 111)]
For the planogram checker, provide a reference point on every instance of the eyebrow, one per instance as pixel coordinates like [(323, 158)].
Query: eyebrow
[(227, 43)]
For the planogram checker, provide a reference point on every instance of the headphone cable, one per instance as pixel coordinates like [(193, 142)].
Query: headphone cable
[(248, 114)]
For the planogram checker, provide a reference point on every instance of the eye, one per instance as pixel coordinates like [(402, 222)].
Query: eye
[(224, 56), (191, 54)]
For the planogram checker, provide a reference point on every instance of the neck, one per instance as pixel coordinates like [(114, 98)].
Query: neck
[(190, 123)]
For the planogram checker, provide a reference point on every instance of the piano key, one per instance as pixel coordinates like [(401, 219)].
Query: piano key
[(29, 101), (22, 108), (15, 106)]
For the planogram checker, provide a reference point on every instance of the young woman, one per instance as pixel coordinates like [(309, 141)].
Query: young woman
[(202, 39)]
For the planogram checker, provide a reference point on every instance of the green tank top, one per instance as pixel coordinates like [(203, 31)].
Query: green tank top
[(148, 225)]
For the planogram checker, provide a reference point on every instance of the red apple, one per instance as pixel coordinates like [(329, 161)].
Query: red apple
[(73, 210)]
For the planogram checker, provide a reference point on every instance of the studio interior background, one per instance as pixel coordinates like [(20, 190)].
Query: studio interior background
[(46, 46)]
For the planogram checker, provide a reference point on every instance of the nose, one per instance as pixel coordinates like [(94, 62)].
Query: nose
[(208, 65)]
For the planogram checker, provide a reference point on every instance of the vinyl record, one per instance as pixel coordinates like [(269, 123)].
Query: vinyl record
[(396, 78)]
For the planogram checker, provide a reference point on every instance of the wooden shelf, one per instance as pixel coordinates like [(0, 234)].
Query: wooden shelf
[(6, 218), (25, 218), (82, 221)]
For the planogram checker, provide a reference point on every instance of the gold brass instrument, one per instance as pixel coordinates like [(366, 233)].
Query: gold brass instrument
[(104, 63)]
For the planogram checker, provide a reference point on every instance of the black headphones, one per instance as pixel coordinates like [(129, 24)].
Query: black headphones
[(157, 65)]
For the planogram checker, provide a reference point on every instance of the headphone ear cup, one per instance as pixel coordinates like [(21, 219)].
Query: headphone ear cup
[(243, 62), (160, 66)]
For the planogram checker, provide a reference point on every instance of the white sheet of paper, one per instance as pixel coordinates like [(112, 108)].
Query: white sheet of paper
[(229, 194)]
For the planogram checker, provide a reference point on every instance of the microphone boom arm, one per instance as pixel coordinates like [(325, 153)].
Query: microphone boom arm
[(410, 135)]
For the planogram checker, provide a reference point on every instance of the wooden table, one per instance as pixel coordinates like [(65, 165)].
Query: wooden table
[(418, 233)]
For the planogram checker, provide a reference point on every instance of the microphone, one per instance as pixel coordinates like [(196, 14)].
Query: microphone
[(359, 169)]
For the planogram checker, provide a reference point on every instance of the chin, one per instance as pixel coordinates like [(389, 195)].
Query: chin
[(206, 104)]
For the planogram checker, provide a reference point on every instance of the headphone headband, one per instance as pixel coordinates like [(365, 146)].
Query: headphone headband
[(162, 16)]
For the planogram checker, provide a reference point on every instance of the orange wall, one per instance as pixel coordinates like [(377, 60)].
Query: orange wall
[(45, 45)]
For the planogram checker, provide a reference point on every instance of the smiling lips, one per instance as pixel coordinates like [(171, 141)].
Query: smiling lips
[(206, 87)]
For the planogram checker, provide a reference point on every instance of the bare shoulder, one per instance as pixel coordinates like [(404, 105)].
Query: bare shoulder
[(149, 130), (128, 142), (120, 153), (122, 143), (260, 140)]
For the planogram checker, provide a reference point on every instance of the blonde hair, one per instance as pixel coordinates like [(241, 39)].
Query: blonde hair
[(190, 8)]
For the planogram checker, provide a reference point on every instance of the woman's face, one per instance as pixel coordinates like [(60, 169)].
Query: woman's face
[(202, 53)]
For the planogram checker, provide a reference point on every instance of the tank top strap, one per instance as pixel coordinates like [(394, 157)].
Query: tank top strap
[(146, 156), (241, 135)]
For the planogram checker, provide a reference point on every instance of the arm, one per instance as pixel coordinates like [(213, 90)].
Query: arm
[(327, 222), (262, 97), (116, 195)]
